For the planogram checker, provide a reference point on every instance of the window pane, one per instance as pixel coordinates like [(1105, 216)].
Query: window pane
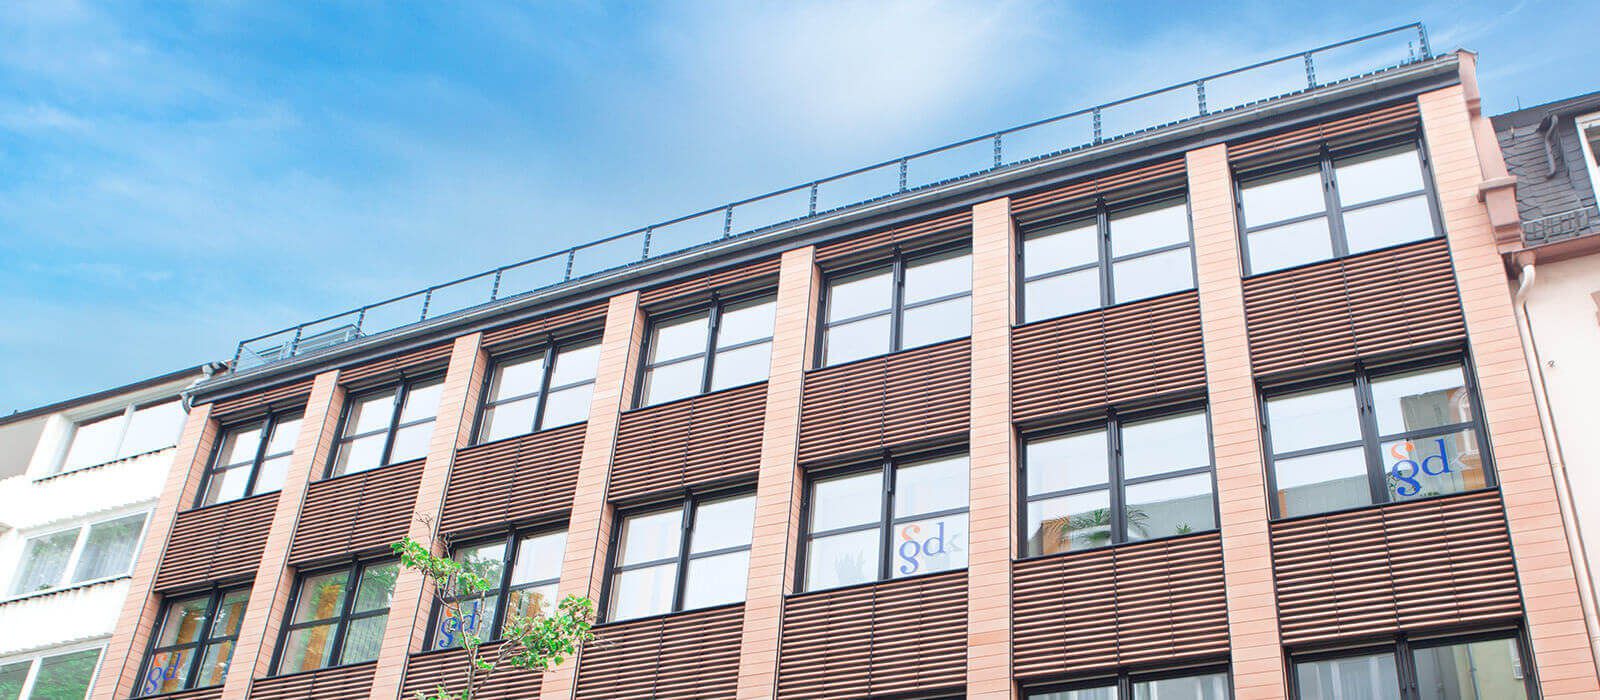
[(1067, 462), (486, 560), (642, 592), (307, 648), (860, 294), (12, 676), (517, 377), (927, 546), (723, 524), (65, 677), (1433, 466), (858, 339), (567, 406), (716, 580), (842, 560), (674, 381), (1424, 399), (321, 596), (575, 364), (411, 442), (508, 419), (1289, 245), (1164, 445), (1471, 671), (185, 621), (152, 428), (937, 276), (1152, 275), (1387, 224), (539, 557), (1061, 247), (359, 455), (109, 549), (745, 365), (370, 413), (1283, 197), (477, 613), (931, 487), (531, 602), (1148, 227), (1369, 677), (168, 671), (376, 587), (678, 337), (94, 442), (271, 475), (230, 613), (650, 537), (1169, 507), (1313, 419), (1062, 295), (1208, 687), (847, 500), (362, 638), (1068, 523), (422, 402), (1322, 482), (946, 320), (227, 485), (742, 323), (214, 665), (1108, 692), (239, 445), (1377, 175), (284, 435), (44, 561)]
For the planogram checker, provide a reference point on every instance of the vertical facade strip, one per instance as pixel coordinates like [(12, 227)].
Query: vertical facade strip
[(589, 532), (1544, 562), (408, 614), (992, 453), (1253, 631), (777, 516), (119, 669), (269, 595)]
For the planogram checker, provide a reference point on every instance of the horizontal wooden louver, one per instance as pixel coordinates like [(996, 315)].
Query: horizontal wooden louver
[(1156, 602), (1399, 567), (1335, 311), (874, 405), (337, 683), (426, 671), (706, 439), (879, 640), (216, 543), (356, 513), (928, 233), (1345, 132), (212, 693), (283, 397), (393, 368), (680, 656), (1156, 177), (735, 280), (518, 480), (1106, 357), (525, 332)]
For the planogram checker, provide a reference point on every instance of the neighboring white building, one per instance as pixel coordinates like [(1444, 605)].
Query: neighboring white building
[(77, 482)]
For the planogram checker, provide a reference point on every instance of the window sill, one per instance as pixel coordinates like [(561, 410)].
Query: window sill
[(324, 669), (1374, 506), (1107, 307), (683, 399), (1117, 545), (374, 470), (865, 584), (63, 589), (859, 360), (231, 502), (102, 465), (599, 626), (1388, 248), (173, 693)]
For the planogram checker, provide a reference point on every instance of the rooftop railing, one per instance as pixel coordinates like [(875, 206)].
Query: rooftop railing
[(1572, 223), (1241, 87)]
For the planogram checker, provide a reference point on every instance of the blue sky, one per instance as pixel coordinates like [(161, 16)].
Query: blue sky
[(179, 176)]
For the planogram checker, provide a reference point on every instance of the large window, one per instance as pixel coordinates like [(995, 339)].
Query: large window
[(82, 554), (726, 345), (1335, 206), (692, 555), (388, 426), (133, 431), (194, 642), (1473, 668), (895, 520), (1106, 257), (1377, 436), (337, 617), (60, 676), (526, 565), (1119, 481), (906, 303), (1184, 685), (252, 458), (1589, 143), (534, 391)]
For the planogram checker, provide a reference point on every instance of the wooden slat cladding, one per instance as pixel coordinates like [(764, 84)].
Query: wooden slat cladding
[(212, 693), (1399, 567), (216, 543), (356, 513), (424, 672), (1337, 133), (884, 639), (391, 369), (282, 397), (1107, 356), (527, 332), (676, 446), (1156, 177), (1335, 311), (928, 233), (679, 656), (877, 404), (735, 280), (517, 480), (1118, 606), (339, 683)]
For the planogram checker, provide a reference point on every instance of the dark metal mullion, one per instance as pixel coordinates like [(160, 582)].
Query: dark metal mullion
[(205, 634), (1164, 476), (1061, 272), (1076, 490), (1296, 219), (544, 393), (1331, 447), (885, 538), (351, 588), (713, 327), (507, 562), (743, 345), (863, 317), (653, 563), (930, 514), (1119, 516), (1330, 195), (846, 530), (1150, 252), (267, 426), (938, 300), (1386, 199), (680, 577), (692, 556), (1102, 222), (400, 394), (573, 385), (1376, 481), (897, 312), (1405, 668), (1429, 432)]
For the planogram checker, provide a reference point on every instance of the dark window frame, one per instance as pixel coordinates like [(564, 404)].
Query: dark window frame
[(897, 262), (1124, 681), (402, 390), (213, 607), (269, 425), (355, 570), (550, 350), (503, 588), (1403, 647), (689, 506), (714, 310)]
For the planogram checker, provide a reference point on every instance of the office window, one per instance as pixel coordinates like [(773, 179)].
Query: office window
[(1375, 437), (64, 676), (337, 617), (251, 459), (1478, 668), (128, 433), (86, 553), (1170, 686), (1106, 257), (388, 426), (1335, 206), (1119, 481), (726, 345), (526, 565), (693, 555), (892, 521), (545, 389), (194, 642), (906, 303)]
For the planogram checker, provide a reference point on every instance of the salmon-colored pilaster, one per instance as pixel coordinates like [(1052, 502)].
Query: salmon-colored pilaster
[(778, 484), (992, 454), (1258, 666), (119, 669), (408, 613), (589, 531), (269, 594), (1544, 563)]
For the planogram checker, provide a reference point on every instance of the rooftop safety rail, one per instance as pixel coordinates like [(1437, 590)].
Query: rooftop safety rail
[(1241, 87), (1558, 227)]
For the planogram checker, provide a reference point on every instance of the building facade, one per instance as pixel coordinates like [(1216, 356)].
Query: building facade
[(1235, 407)]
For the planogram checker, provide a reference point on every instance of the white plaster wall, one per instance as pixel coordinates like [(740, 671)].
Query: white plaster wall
[(61, 617)]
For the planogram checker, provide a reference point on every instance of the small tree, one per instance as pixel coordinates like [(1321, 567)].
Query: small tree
[(535, 642)]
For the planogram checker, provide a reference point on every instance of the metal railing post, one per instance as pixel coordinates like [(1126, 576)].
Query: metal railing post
[(427, 298), (1422, 38), (571, 253), (238, 352), (494, 291), (361, 319), (1097, 138), (1200, 95), (727, 221), (649, 231), (1311, 71), (294, 345), (997, 158), (903, 163), (813, 210)]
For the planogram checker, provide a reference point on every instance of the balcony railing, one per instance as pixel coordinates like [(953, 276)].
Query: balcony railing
[(1241, 87), (1556, 227)]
